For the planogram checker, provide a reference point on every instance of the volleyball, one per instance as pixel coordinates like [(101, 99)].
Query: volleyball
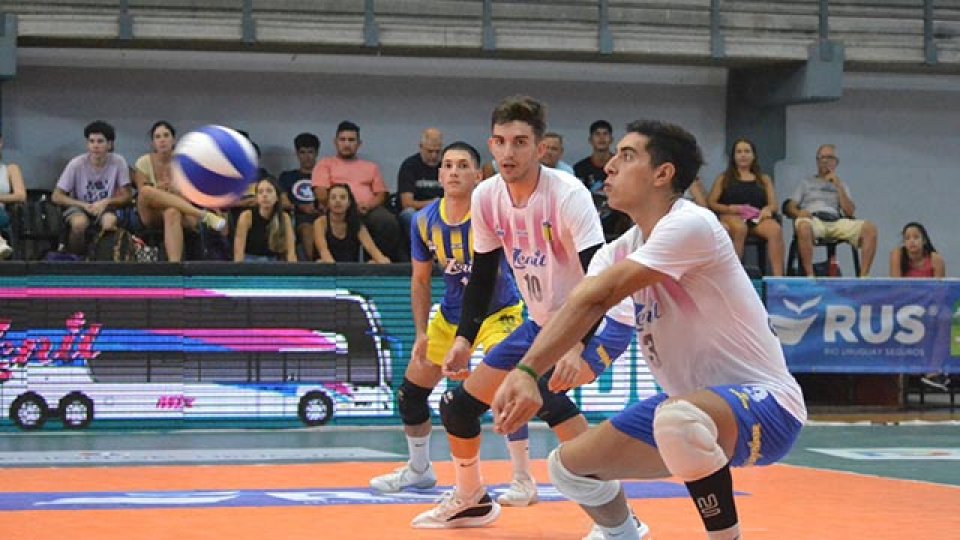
[(213, 166)]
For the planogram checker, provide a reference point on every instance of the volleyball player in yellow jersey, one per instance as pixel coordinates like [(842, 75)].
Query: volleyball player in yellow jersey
[(441, 233)]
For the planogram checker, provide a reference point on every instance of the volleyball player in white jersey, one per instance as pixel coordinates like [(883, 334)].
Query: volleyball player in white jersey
[(544, 223), (728, 398)]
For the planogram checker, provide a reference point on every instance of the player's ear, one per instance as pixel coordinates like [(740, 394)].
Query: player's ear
[(665, 173)]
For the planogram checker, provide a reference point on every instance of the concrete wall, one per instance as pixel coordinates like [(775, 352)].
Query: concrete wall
[(896, 134)]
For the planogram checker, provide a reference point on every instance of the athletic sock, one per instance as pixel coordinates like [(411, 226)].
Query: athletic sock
[(624, 531), (468, 475), (518, 445), (419, 451), (733, 533), (713, 496)]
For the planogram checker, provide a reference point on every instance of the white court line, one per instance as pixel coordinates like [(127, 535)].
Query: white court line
[(887, 454), (82, 457)]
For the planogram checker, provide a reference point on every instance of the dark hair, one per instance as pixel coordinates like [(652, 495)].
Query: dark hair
[(101, 127), (670, 143), (353, 213), (162, 123), (276, 232), (306, 140), (521, 109), (468, 148), (731, 174), (600, 124), (553, 135), (927, 246), (347, 125)]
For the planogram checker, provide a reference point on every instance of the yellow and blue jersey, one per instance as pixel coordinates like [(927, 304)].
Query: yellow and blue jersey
[(433, 237)]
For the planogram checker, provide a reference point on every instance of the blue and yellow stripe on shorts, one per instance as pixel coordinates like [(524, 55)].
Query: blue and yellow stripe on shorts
[(495, 328)]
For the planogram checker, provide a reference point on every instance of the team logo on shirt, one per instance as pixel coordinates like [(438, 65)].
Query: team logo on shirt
[(522, 260), (646, 314)]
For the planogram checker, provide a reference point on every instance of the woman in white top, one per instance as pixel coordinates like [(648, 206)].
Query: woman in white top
[(11, 191), (159, 203)]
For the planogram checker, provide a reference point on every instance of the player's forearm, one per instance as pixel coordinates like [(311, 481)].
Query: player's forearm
[(578, 315), (420, 303)]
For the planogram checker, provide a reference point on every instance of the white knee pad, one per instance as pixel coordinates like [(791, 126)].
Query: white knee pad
[(580, 489), (687, 439)]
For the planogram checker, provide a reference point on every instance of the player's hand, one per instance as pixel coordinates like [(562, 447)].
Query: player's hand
[(419, 351), (515, 403), (765, 213), (566, 374), (456, 364), (98, 207)]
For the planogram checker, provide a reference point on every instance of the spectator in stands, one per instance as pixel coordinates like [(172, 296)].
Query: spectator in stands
[(553, 152), (590, 171), (697, 193), (12, 191), (297, 191), (92, 185), (265, 233), (159, 203), (822, 209), (367, 185), (417, 181), (917, 258), (744, 200), (340, 234)]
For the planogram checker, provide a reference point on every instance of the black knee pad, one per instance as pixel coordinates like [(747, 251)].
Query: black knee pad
[(412, 402), (557, 407), (461, 413)]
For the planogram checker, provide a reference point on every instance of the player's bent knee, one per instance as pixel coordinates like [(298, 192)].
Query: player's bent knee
[(687, 439), (557, 408), (412, 402), (580, 489), (461, 412)]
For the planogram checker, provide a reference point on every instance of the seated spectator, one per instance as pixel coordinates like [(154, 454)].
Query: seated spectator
[(340, 234), (822, 209), (417, 181), (917, 258), (590, 171), (553, 153), (12, 191), (297, 192), (91, 185), (265, 233), (159, 203), (367, 185), (697, 193), (744, 200)]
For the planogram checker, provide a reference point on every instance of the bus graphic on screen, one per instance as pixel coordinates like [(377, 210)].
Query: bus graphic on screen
[(79, 354)]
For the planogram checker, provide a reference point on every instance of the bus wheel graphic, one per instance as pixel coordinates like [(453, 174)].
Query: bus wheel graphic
[(316, 408), (76, 410), (29, 411)]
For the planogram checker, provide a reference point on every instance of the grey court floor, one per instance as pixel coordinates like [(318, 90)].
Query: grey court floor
[(925, 451)]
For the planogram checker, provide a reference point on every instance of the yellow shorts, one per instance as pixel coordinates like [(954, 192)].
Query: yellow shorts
[(843, 230), (440, 333)]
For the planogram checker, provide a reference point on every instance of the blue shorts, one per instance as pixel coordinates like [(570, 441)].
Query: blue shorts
[(766, 431), (609, 342)]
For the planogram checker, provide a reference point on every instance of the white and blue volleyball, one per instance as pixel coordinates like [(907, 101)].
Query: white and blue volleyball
[(213, 166)]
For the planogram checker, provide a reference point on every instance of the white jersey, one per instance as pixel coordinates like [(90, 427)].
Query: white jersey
[(540, 241), (606, 256), (704, 325)]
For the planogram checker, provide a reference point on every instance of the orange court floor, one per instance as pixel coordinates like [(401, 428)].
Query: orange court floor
[(330, 500)]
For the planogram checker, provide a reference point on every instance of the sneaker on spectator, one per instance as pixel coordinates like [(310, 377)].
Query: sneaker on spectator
[(404, 477), (213, 221), (597, 534), (455, 511), (522, 492)]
